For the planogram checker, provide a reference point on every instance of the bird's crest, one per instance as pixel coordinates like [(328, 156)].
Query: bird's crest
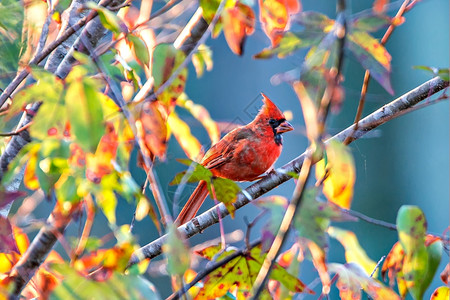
[(270, 109)]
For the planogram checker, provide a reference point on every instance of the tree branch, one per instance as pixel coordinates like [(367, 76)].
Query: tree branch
[(386, 113)]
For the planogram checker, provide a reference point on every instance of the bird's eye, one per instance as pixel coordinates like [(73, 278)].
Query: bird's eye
[(273, 122)]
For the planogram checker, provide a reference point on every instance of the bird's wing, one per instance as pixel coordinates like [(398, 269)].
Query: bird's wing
[(223, 151)]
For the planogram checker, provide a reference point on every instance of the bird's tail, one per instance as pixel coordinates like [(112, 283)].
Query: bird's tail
[(193, 204)]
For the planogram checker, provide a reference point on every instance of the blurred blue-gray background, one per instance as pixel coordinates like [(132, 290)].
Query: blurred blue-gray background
[(406, 161)]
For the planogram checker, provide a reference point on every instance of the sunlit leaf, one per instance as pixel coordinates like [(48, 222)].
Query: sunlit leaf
[(372, 56), (152, 130), (226, 191), (140, 49), (195, 173), (241, 273), (441, 293), (166, 59), (238, 22), (379, 6), (290, 261), (291, 42), (339, 172), (30, 178), (202, 59), (309, 110), (77, 286), (84, 109), (177, 252), (109, 20), (443, 73), (182, 133), (209, 8), (274, 18), (66, 189), (100, 163), (354, 253), (412, 226), (202, 115), (352, 279)]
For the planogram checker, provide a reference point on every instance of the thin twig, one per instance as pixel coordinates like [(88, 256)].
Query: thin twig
[(17, 131), (377, 265), (365, 86)]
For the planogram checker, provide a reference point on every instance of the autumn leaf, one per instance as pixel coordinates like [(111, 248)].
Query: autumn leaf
[(202, 115), (315, 216), (372, 56), (354, 253), (78, 286), (202, 59), (241, 273), (238, 22), (352, 279), (140, 50), (441, 293), (225, 191), (101, 163), (108, 19), (8, 243), (183, 135), (338, 169), (274, 17), (84, 109), (152, 130), (166, 59)]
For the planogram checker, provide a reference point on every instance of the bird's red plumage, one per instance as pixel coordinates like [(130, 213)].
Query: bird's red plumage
[(242, 155)]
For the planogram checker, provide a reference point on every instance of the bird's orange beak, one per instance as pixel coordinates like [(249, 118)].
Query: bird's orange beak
[(284, 127)]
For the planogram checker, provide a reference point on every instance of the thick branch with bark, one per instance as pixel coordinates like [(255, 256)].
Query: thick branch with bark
[(386, 113)]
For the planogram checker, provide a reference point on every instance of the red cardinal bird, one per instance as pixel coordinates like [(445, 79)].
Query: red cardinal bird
[(242, 155)]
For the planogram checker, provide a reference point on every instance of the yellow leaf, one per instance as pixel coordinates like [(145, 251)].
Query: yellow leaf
[(182, 133), (353, 251), (441, 293), (340, 174)]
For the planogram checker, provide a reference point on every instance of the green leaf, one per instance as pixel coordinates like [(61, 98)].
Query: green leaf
[(434, 258), (412, 226), (209, 9), (195, 173), (314, 20), (109, 20), (226, 191), (291, 42), (166, 59), (66, 189), (140, 49), (84, 110), (177, 252), (118, 286), (443, 73), (372, 56), (371, 23), (314, 217)]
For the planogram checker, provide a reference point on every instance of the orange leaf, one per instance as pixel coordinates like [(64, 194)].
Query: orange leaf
[(338, 185), (152, 130), (100, 163), (379, 6), (274, 18), (238, 22)]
